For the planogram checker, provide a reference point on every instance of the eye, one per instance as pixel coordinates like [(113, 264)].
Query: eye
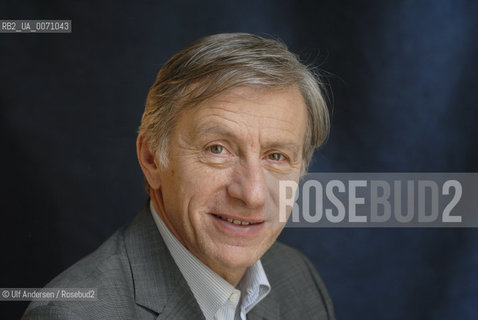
[(276, 156), (216, 149)]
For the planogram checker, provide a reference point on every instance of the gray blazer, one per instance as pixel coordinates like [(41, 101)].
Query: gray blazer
[(137, 278)]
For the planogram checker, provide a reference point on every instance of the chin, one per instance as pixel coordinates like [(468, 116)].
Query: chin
[(238, 257)]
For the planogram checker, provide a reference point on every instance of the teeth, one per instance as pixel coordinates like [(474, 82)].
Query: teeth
[(238, 222)]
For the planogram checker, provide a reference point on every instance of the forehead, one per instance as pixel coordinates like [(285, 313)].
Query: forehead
[(279, 111)]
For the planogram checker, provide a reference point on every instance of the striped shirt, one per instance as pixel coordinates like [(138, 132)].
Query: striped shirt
[(217, 299)]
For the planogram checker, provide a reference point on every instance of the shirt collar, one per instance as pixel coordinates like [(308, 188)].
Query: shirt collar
[(211, 290)]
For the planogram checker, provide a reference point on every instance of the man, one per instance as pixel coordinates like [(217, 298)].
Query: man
[(227, 119)]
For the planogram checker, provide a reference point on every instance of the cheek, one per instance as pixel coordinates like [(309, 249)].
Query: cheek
[(191, 195), (208, 185)]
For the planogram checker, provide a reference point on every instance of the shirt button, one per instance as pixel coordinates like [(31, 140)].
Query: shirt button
[(233, 297)]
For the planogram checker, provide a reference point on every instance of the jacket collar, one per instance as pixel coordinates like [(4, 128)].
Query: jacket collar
[(158, 283)]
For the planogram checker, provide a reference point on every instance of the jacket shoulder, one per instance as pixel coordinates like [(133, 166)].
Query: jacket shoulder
[(104, 266), (296, 284), (106, 269)]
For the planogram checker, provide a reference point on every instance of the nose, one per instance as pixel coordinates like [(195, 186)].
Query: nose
[(248, 184)]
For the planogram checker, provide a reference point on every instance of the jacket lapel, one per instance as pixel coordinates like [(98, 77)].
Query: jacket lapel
[(267, 309), (158, 284), (181, 305)]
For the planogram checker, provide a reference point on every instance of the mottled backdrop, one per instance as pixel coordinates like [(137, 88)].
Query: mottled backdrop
[(402, 81)]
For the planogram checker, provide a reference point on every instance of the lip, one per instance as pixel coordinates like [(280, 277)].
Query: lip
[(228, 216), (238, 230)]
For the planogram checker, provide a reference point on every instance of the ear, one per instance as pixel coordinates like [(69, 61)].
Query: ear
[(148, 162)]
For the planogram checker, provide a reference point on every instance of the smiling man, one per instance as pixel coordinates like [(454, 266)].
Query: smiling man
[(228, 118)]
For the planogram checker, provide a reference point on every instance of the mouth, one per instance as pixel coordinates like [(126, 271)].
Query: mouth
[(237, 221)]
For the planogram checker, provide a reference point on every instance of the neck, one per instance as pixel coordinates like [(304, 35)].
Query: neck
[(231, 276)]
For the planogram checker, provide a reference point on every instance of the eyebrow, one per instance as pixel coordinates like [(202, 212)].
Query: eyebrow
[(211, 128)]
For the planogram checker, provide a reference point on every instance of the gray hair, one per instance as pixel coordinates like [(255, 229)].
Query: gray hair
[(214, 64)]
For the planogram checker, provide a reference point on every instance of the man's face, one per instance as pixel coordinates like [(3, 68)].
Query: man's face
[(220, 190)]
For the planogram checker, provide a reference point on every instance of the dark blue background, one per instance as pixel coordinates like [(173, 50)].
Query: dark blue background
[(403, 83)]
